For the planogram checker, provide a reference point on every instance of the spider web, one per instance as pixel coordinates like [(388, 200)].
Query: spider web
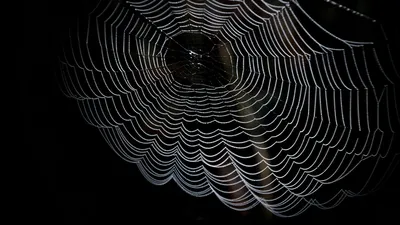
[(253, 101)]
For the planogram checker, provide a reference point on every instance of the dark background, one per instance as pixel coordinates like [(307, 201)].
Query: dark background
[(75, 178)]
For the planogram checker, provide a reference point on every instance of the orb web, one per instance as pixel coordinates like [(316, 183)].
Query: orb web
[(255, 102)]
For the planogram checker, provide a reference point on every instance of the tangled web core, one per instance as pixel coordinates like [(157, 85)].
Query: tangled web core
[(256, 102)]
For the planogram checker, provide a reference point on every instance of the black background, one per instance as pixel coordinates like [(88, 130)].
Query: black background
[(77, 179)]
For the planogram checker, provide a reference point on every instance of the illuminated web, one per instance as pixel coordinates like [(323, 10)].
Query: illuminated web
[(253, 101)]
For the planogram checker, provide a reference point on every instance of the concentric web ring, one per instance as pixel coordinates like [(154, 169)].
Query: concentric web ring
[(255, 102)]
